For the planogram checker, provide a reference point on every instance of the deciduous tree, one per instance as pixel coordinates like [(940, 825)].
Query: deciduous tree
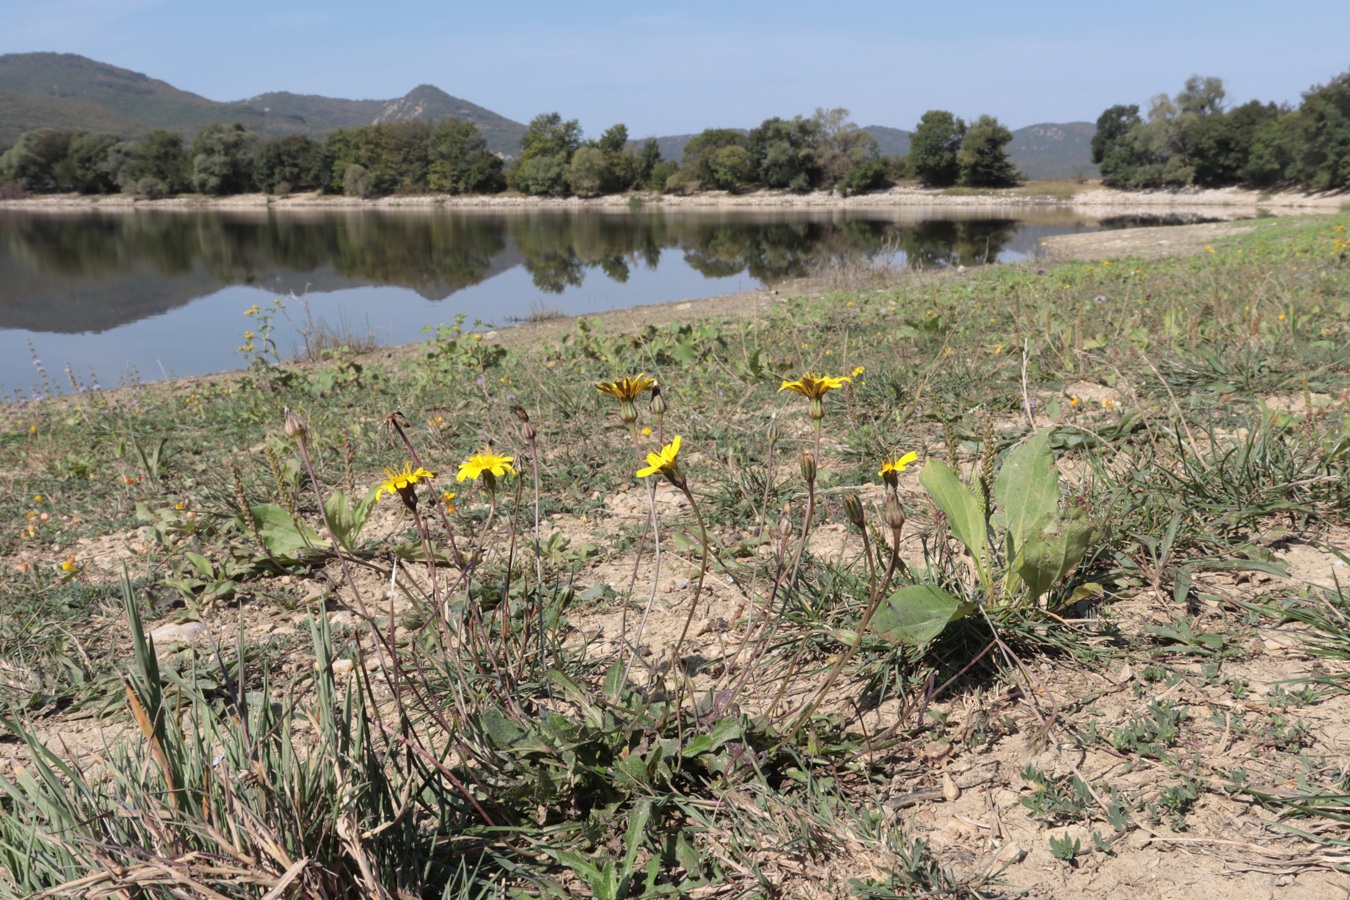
[(934, 146)]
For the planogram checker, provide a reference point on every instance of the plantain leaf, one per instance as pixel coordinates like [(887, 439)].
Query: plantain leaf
[(1026, 490), (917, 613), (965, 513)]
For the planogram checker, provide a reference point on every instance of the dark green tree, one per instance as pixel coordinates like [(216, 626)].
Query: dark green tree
[(1324, 157), (33, 161), (222, 159), (157, 168), (934, 147), (545, 152), (287, 164), (461, 163), (783, 154), (699, 152), (1275, 149), (87, 167), (983, 157)]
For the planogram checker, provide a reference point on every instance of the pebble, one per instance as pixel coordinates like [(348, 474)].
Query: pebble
[(177, 633)]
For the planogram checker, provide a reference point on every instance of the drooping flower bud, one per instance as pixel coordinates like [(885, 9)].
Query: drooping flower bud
[(854, 510), (294, 428), (893, 514), (658, 403), (773, 432), (809, 468)]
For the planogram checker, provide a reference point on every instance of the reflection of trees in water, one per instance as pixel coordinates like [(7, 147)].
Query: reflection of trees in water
[(558, 249), (427, 253), (441, 253), (969, 242)]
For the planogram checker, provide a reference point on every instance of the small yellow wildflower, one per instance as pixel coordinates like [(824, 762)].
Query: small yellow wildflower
[(1074, 401), (891, 468), (1209, 249), (814, 387), (626, 389), (857, 370), (646, 432), (68, 564), (448, 498), (486, 465), (37, 498), (252, 310), (401, 483), (663, 463), (1281, 317)]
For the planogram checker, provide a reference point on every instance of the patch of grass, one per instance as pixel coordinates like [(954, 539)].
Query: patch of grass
[(566, 678)]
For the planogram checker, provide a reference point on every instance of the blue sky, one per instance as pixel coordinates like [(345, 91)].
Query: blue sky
[(681, 67)]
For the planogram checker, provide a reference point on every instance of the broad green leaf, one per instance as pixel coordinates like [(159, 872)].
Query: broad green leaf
[(1057, 544), (347, 520), (280, 533), (965, 513), (201, 564), (1026, 490), (917, 613)]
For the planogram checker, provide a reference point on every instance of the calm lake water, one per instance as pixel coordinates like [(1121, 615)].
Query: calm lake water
[(130, 295)]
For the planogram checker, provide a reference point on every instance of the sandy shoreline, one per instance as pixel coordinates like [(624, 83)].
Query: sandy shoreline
[(1092, 198)]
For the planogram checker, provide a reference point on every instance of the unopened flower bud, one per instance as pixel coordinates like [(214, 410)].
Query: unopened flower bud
[(530, 432), (893, 514), (773, 432), (785, 526), (294, 428), (809, 468), (627, 412), (854, 510), (658, 401)]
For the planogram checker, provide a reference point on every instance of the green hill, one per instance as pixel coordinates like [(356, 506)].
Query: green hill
[(70, 92), (1051, 151)]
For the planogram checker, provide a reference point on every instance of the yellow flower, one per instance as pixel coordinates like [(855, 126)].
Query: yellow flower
[(858, 370), (1209, 249), (448, 498), (893, 467), (486, 463), (68, 564), (663, 463), (252, 310), (813, 386), (401, 483), (626, 389)]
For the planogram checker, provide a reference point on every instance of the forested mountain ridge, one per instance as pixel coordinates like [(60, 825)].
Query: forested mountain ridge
[(70, 92)]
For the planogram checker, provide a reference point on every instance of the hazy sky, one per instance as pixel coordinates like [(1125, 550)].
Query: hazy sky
[(679, 67)]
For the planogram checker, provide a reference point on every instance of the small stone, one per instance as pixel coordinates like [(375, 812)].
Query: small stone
[(177, 633), (950, 792), (343, 667)]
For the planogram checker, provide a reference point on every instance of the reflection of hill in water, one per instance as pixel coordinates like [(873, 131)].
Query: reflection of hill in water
[(89, 272), (81, 273)]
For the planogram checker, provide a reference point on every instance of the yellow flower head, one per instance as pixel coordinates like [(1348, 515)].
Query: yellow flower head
[(858, 370), (448, 498), (401, 483), (626, 389), (663, 463), (813, 386), (488, 464), (68, 564), (891, 468)]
